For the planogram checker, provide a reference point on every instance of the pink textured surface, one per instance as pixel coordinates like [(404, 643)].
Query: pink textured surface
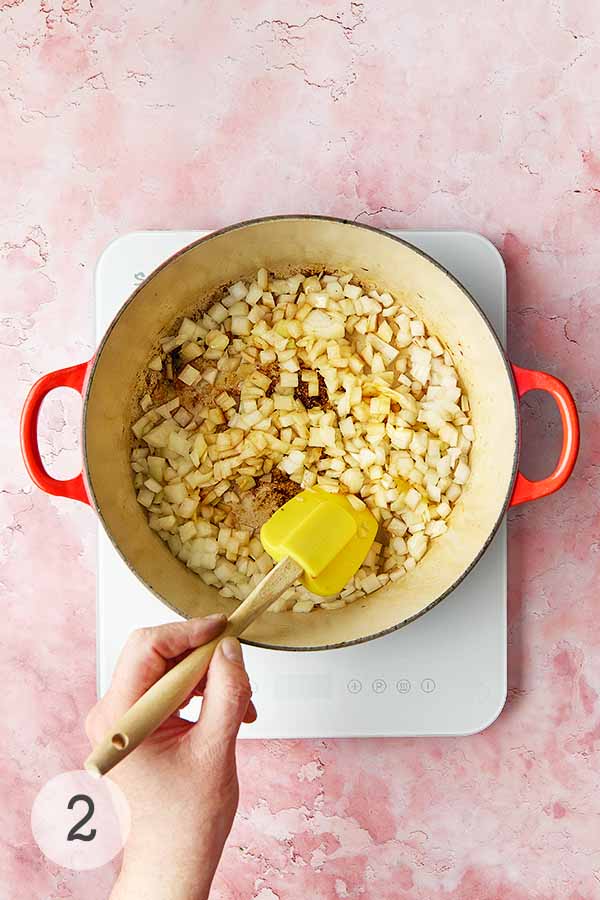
[(180, 115)]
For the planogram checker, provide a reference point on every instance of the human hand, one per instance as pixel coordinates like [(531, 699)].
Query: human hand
[(181, 783)]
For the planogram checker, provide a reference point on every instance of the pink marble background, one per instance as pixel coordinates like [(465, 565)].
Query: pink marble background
[(405, 113)]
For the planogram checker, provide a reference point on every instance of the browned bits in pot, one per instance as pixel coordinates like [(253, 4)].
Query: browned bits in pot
[(259, 504), (161, 390), (322, 400), (272, 372), (281, 489)]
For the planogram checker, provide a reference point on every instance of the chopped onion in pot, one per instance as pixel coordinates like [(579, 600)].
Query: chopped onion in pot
[(287, 383)]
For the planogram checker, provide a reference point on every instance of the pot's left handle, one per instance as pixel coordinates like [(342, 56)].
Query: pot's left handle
[(71, 377)]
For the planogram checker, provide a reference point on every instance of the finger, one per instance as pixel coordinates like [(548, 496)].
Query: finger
[(226, 697), (251, 715), (145, 657)]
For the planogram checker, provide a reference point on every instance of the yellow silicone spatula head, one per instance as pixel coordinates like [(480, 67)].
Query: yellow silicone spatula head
[(329, 535)]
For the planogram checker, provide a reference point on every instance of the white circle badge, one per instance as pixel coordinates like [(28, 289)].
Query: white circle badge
[(80, 822)]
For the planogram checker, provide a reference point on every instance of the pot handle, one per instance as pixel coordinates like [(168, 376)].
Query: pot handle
[(72, 377), (530, 380)]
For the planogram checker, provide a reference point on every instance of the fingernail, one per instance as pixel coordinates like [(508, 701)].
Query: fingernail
[(216, 617), (232, 650)]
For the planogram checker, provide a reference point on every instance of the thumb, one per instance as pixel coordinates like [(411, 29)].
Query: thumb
[(226, 696)]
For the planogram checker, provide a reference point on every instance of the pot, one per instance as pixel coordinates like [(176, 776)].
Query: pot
[(108, 384)]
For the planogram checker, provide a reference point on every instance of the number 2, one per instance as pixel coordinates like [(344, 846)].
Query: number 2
[(74, 834)]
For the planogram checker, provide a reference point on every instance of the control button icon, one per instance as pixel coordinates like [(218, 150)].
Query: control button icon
[(379, 686), (354, 686), (403, 686), (428, 685)]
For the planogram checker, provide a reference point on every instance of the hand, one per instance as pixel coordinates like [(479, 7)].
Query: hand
[(181, 783)]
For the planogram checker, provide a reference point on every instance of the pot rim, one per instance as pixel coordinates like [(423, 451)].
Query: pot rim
[(384, 234)]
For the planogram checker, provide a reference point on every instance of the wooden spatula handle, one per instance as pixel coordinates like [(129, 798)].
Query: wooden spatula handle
[(167, 695)]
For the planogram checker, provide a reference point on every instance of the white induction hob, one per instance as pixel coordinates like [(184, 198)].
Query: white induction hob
[(444, 674)]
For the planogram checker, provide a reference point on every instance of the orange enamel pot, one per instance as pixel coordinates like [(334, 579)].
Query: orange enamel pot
[(108, 385)]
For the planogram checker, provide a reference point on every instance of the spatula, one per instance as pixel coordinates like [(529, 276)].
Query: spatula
[(318, 538)]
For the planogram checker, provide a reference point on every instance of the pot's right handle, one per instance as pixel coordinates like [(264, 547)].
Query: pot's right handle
[(72, 377), (530, 380)]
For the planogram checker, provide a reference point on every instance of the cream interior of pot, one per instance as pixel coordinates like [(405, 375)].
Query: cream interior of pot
[(283, 245)]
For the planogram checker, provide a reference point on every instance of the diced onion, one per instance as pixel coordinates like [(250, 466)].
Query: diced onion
[(392, 433), (189, 375)]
